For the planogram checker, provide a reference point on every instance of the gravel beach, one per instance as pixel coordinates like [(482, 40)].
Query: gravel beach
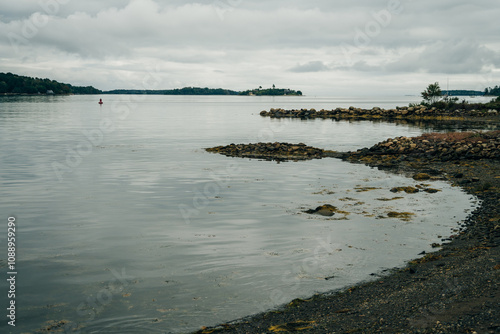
[(452, 290)]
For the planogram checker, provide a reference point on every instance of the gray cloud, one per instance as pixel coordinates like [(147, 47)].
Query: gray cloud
[(245, 43), (453, 57), (312, 66)]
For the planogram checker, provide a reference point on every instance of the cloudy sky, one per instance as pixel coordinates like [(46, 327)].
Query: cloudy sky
[(324, 48)]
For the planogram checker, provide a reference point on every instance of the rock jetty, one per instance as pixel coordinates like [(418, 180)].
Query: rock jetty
[(457, 146), (272, 151), (417, 112), (434, 146)]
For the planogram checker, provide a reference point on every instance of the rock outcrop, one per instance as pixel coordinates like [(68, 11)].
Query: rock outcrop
[(272, 151), (443, 147), (417, 112)]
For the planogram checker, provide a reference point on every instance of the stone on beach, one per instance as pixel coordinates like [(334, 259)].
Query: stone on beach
[(327, 210)]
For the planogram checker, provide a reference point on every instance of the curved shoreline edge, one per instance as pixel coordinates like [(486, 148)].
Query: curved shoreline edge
[(452, 290), (419, 112)]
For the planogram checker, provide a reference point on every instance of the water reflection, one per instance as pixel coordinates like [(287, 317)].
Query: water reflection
[(247, 246)]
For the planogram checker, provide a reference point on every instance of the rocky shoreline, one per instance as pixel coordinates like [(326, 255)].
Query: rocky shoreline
[(434, 146), (452, 290), (272, 151), (419, 112)]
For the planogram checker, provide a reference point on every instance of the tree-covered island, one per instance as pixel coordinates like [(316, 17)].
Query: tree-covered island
[(13, 84), (271, 92), (210, 91), (177, 91)]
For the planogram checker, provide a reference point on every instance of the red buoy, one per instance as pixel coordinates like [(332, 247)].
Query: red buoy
[(100, 101)]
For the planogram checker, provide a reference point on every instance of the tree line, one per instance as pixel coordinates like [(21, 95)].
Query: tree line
[(495, 91), (462, 92), (177, 91), (208, 91), (17, 84), (271, 92), (433, 97), (433, 92)]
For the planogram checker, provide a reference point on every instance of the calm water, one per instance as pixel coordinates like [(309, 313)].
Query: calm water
[(125, 224)]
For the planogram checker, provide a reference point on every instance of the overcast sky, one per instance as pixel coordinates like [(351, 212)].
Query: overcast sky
[(324, 48)]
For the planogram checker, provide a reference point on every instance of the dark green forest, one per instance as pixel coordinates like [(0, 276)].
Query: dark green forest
[(495, 91), (17, 84), (177, 91), (271, 92), (462, 93), (208, 91)]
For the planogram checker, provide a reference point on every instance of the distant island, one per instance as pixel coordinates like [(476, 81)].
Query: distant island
[(463, 93), (210, 91), (495, 91), (490, 91), (177, 91), (13, 84), (271, 92)]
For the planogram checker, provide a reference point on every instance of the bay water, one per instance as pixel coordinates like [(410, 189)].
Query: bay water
[(124, 224)]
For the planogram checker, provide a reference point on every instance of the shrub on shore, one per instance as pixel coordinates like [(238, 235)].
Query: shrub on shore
[(432, 99), (451, 104), (469, 137)]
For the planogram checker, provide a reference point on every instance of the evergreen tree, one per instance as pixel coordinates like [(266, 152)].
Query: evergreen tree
[(432, 93)]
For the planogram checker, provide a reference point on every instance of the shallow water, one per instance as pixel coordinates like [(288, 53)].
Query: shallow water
[(125, 224)]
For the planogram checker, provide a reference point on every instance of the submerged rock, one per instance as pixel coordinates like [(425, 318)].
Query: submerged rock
[(324, 210), (421, 177), (431, 190), (406, 216), (408, 190)]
